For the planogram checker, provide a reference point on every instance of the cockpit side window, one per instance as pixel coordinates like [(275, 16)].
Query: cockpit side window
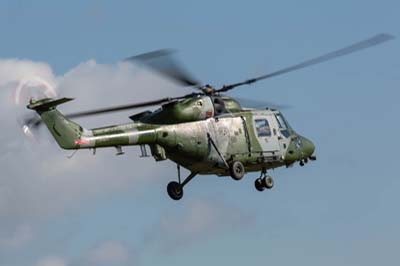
[(262, 128)]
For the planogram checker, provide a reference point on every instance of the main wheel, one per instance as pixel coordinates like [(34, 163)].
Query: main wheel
[(236, 170), (258, 183), (268, 182), (175, 190)]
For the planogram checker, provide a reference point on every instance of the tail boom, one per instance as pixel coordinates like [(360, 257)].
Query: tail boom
[(123, 135), (70, 135)]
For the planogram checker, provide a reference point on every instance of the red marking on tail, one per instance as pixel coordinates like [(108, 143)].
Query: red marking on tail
[(81, 142)]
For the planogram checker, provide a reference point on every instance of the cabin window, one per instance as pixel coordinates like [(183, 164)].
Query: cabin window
[(262, 128)]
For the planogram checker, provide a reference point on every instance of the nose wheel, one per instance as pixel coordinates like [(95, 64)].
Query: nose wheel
[(264, 182), (268, 182), (259, 184)]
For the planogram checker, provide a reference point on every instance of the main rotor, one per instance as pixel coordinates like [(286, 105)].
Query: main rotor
[(162, 61)]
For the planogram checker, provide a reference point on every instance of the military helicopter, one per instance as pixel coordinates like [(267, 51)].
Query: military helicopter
[(206, 132)]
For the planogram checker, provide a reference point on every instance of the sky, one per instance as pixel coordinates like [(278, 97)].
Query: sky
[(113, 210)]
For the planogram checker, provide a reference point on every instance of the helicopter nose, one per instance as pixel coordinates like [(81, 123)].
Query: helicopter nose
[(308, 147)]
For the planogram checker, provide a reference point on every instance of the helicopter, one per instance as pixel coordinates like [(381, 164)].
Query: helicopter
[(206, 132)]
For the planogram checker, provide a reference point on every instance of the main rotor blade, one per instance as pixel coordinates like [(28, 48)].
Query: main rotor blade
[(35, 121), (375, 40), (121, 107), (163, 62)]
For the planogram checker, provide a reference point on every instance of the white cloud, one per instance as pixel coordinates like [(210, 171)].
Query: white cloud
[(14, 70), (200, 220), (106, 253), (109, 253), (52, 261), (37, 180), (18, 238)]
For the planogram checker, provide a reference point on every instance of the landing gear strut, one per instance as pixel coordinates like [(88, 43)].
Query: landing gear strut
[(175, 189), (264, 181)]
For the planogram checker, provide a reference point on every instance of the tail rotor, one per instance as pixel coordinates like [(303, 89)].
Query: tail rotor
[(25, 90)]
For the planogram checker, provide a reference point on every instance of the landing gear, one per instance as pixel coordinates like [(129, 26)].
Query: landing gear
[(264, 181), (268, 182), (175, 189), (236, 170), (259, 184)]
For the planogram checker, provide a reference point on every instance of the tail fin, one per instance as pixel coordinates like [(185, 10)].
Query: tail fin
[(63, 130)]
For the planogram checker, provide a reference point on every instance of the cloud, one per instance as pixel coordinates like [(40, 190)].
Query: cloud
[(14, 70), (109, 253), (52, 261), (18, 238), (37, 180), (199, 220), (105, 253), (42, 169)]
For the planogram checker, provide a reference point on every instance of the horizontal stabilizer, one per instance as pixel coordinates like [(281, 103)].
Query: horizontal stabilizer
[(139, 116), (46, 104)]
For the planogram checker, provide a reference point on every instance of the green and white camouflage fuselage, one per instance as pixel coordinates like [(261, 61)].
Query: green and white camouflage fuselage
[(260, 139)]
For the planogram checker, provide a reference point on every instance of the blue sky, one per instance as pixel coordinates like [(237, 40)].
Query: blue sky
[(342, 209)]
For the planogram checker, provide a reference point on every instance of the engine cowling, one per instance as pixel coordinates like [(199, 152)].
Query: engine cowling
[(191, 109)]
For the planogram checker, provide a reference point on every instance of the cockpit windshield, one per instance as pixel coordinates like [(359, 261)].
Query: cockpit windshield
[(283, 125), (281, 121)]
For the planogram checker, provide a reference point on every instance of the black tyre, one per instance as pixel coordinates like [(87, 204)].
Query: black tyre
[(175, 190), (236, 170), (268, 182), (258, 183)]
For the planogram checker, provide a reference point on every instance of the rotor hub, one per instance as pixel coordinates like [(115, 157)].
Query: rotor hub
[(208, 90)]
